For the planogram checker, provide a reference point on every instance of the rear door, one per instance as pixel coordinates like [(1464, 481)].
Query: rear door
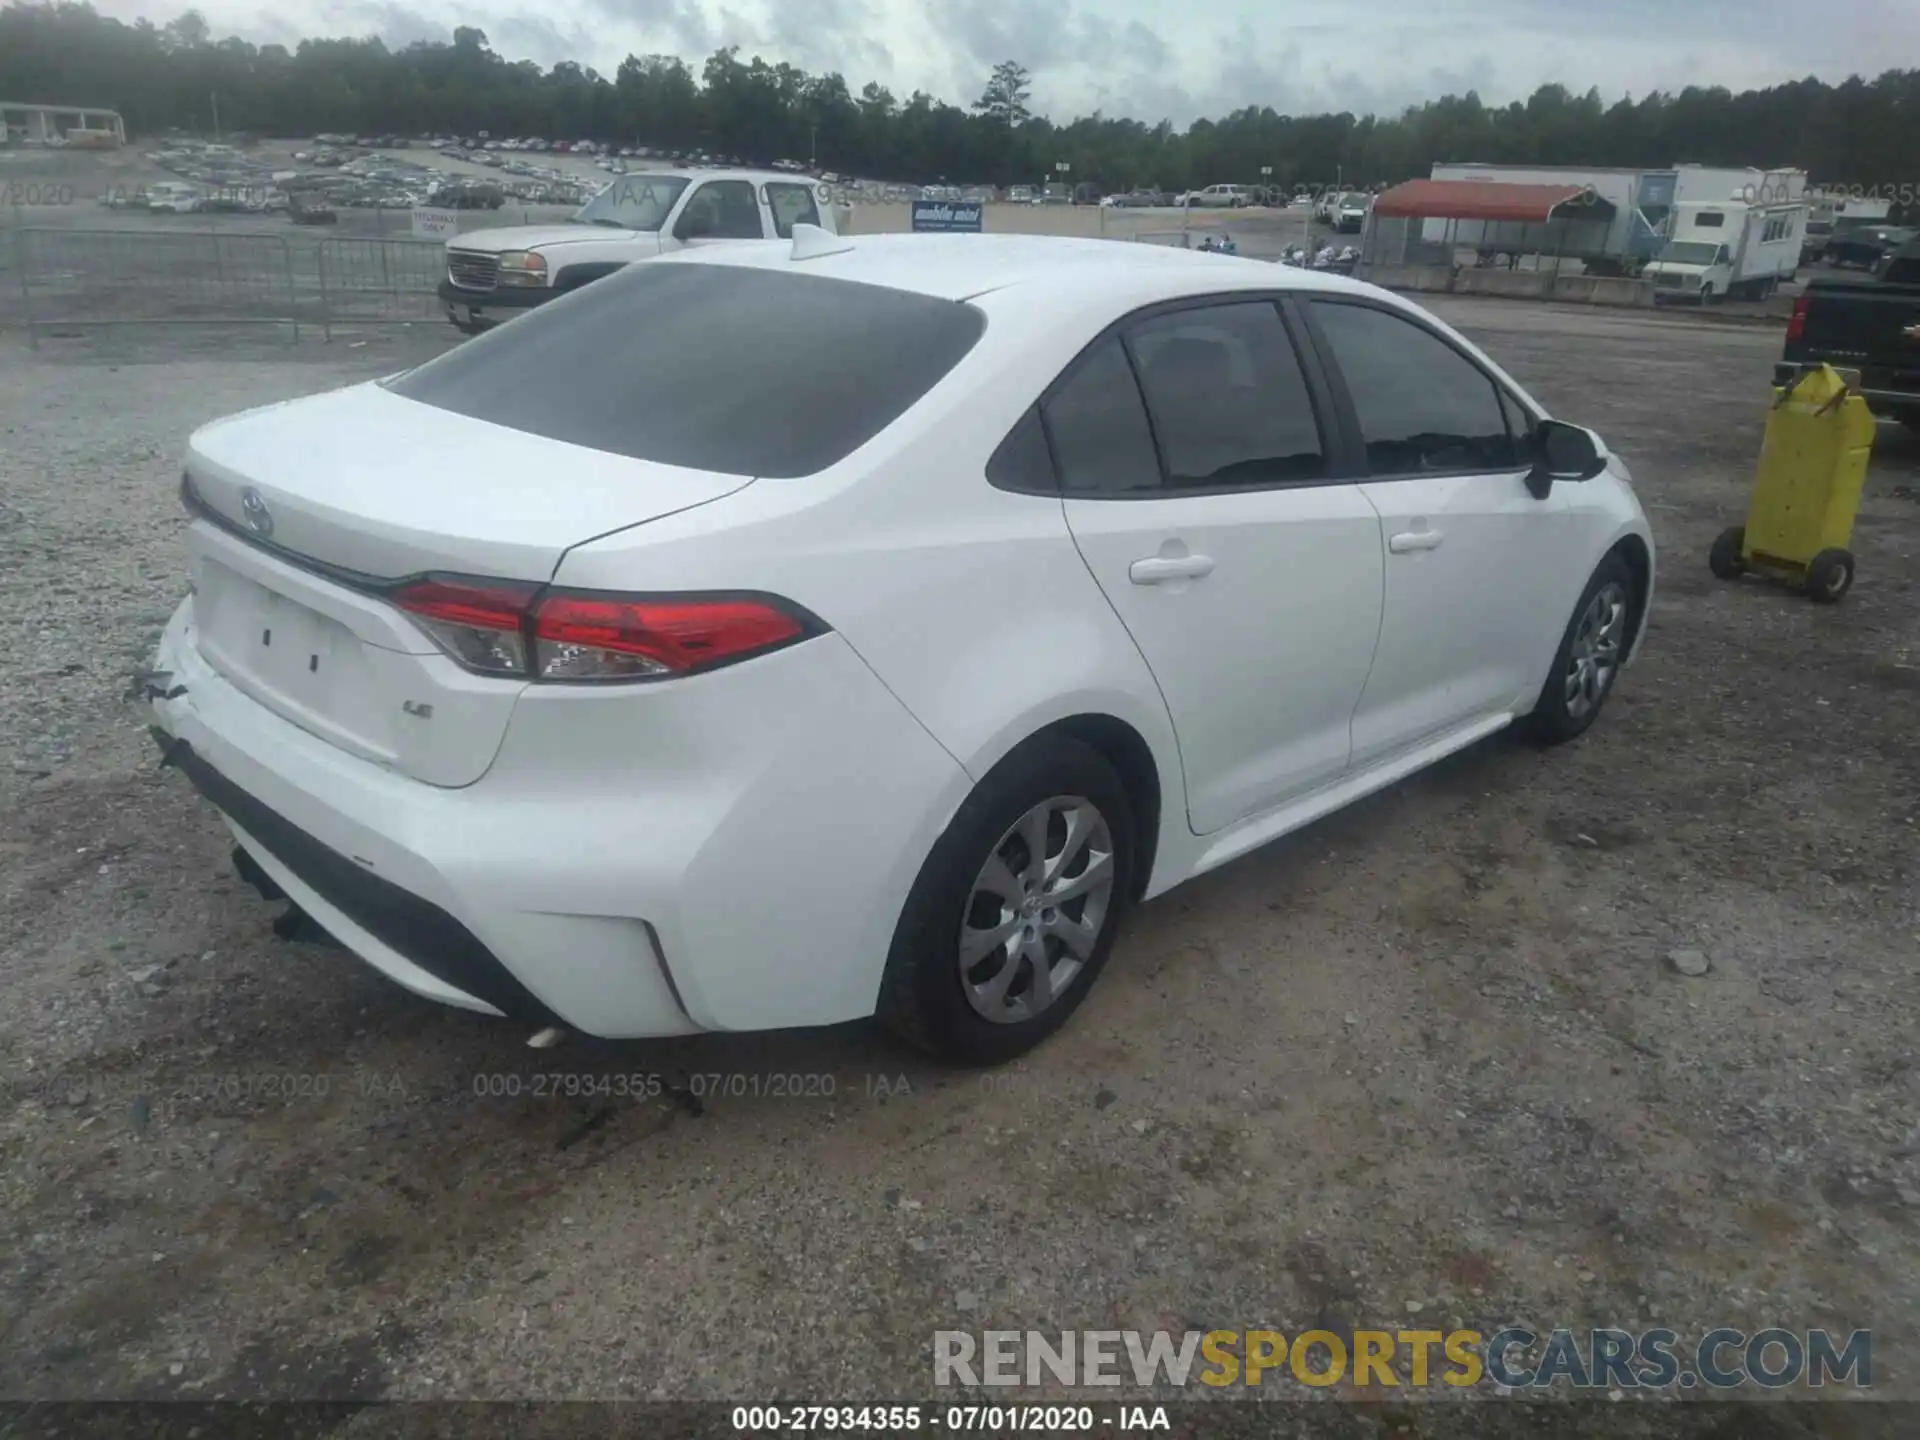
[(1471, 556), (728, 209), (790, 203), (1200, 488)]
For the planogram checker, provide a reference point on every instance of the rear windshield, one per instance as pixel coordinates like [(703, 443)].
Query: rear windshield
[(711, 367)]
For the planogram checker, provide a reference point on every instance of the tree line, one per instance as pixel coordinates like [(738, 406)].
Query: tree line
[(1857, 134)]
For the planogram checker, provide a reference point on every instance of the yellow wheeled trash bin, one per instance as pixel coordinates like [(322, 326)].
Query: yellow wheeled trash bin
[(1806, 493)]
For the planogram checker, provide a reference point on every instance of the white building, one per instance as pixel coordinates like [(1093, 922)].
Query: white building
[(71, 124)]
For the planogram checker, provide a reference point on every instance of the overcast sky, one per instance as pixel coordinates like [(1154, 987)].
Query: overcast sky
[(1152, 61)]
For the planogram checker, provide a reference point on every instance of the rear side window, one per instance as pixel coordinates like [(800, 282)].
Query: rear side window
[(1423, 407), (1022, 461), (1101, 441), (712, 367), (726, 208), (1228, 398), (791, 205)]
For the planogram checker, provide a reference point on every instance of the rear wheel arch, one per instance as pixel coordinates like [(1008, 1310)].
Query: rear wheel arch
[(1126, 749)]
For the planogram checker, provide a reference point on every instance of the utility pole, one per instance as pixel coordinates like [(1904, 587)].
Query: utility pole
[(813, 145), (214, 95)]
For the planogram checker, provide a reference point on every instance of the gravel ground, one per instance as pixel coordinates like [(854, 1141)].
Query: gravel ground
[(1432, 1052)]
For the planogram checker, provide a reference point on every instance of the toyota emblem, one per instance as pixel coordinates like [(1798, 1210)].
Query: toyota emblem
[(254, 509)]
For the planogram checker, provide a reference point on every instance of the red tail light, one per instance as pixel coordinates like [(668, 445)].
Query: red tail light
[(1797, 322), (596, 637), (480, 623), (500, 628)]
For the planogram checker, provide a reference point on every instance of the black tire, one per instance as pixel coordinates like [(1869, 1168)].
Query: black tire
[(922, 998), (1727, 559), (1830, 575), (1553, 721)]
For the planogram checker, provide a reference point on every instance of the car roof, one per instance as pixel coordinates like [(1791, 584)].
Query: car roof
[(724, 172), (961, 267)]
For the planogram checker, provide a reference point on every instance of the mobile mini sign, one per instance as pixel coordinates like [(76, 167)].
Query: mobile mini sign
[(947, 217)]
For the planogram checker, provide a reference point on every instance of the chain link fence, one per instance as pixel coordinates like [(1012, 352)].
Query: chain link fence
[(57, 281)]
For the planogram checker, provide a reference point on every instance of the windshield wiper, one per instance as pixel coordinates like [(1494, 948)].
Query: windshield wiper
[(610, 224)]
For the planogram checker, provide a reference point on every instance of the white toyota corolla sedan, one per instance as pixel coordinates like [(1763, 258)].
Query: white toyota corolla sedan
[(773, 636)]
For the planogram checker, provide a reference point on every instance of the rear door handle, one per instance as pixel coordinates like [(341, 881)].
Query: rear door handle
[(1409, 540), (1159, 568)]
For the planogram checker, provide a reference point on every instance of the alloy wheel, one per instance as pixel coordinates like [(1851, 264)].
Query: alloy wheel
[(1036, 909), (1595, 655)]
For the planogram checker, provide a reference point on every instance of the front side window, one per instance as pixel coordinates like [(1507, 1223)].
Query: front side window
[(1422, 406), (1229, 401)]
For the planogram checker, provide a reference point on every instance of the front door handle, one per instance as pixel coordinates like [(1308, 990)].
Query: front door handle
[(1410, 540), (1158, 568)]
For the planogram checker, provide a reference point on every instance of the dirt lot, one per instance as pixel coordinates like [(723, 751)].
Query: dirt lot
[(1431, 1053)]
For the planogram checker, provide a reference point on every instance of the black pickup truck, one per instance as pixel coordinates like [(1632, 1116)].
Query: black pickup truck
[(1871, 326)]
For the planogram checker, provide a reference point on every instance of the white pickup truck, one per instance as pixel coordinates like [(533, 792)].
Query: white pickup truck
[(492, 275)]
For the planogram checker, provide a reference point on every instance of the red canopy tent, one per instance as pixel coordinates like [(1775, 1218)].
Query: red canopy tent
[(1489, 200)]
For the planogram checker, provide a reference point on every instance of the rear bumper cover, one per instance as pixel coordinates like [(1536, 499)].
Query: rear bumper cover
[(726, 853), (421, 932)]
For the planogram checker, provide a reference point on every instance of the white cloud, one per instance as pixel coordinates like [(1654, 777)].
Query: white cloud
[(1130, 57)]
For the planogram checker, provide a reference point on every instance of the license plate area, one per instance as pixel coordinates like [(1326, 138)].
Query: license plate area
[(275, 639), (305, 666)]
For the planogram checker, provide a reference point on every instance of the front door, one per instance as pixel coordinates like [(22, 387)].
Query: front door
[(1467, 548), (1200, 496)]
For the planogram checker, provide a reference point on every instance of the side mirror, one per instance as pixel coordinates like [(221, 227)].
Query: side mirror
[(1564, 452), (693, 224)]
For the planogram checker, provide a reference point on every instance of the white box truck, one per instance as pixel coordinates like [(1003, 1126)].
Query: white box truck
[(1717, 250)]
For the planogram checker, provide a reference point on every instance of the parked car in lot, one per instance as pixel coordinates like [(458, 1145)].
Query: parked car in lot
[(465, 194), (778, 635), (1869, 325), (306, 207), (493, 275), (1865, 246), (172, 197), (1232, 197)]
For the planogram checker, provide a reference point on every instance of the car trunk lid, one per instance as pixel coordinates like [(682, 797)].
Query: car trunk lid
[(314, 510)]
